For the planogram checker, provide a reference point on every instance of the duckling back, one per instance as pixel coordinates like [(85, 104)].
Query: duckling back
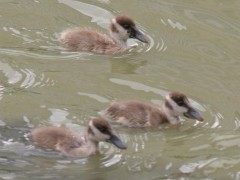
[(55, 137), (83, 39), (134, 113)]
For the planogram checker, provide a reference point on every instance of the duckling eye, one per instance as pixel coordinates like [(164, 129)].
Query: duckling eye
[(102, 129), (129, 31), (180, 102), (126, 26)]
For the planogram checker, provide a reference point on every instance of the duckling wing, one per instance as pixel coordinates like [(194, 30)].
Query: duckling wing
[(132, 113), (83, 39), (68, 142), (55, 138)]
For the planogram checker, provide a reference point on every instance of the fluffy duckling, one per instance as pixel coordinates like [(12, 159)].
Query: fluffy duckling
[(64, 140), (135, 113), (121, 29)]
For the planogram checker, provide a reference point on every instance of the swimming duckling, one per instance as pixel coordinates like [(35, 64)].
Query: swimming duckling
[(64, 140), (121, 29), (135, 113)]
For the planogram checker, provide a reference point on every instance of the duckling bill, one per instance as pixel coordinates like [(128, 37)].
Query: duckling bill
[(121, 29), (136, 113), (65, 141)]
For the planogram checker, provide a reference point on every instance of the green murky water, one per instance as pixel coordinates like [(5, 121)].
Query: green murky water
[(194, 49)]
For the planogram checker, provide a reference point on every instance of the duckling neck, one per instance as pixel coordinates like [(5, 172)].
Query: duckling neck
[(172, 118), (92, 146), (120, 42), (87, 149)]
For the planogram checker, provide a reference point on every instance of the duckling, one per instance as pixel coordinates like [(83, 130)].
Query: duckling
[(64, 140), (121, 29), (136, 113)]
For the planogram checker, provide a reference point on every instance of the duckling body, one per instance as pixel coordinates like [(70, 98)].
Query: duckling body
[(65, 141), (83, 39), (136, 113), (121, 29)]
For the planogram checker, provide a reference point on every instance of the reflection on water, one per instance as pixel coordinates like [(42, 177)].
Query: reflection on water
[(1, 91), (123, 66), (58, 116), (91, 11), (95, 96), (12, 75), (27, 77), (138, 86), (237, 121), (174, 25)]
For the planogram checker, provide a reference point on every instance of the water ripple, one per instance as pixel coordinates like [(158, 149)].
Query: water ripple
[(161, 46), (29, 78), (237, 121), (8, 175), (137, 163), (67, 55), (15, 32), (208, 49), (223, 142), (112, 160), (216, 23), (138, 141), (1, 93), (12, 75), (26, 77)]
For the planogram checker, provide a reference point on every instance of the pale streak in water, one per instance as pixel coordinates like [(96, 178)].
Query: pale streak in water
[(95, 97), (142, 87), (58, 116), (91, 11), (12, 75)]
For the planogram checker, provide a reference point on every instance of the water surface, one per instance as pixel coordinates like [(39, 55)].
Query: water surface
[(194, 49)]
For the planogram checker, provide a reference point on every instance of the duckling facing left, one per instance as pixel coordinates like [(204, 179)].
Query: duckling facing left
[(121, 29), (64, 140)]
